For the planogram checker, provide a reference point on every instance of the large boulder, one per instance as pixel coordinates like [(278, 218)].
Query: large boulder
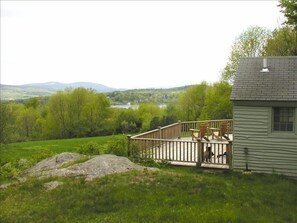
[(97, 166), (54, 162)]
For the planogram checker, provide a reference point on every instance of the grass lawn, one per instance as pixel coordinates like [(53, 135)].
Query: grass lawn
[(170, 195), (173, 194), (13, 151)]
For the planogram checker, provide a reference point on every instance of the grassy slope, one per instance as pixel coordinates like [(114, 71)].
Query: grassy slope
[(167, 196), (15, 151), (174, 194)]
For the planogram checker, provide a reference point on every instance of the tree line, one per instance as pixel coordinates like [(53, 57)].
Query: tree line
[(140, 96), (83, 112)]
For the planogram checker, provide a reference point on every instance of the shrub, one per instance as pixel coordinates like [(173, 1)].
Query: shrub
[(145, 159), (134, 150), (90, 148), (14, 168), (8, 170), (40, 155), (118, 147)]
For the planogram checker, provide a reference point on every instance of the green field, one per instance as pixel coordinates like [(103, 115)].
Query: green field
[(173, 194), (13, 151)]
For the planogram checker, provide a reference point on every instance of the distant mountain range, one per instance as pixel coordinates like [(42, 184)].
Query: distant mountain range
[(16, 92)]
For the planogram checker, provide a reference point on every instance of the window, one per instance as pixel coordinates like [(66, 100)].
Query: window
[(283, 119)]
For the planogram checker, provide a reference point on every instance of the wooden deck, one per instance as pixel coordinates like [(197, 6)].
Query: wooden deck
[(185, 151), (174, 144), (179, 153), (203, 165)]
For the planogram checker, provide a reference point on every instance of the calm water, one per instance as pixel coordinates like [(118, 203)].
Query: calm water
[(126, 106)]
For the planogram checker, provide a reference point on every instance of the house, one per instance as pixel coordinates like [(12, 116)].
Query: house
[(265, 115)]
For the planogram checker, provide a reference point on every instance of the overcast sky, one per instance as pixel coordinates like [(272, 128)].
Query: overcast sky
[(124, 44)]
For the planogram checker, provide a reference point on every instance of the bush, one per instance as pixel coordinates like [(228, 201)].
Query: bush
[(118, 147), (15, 168), (90, 148), (40, 155), (8, 170), (134, 150)]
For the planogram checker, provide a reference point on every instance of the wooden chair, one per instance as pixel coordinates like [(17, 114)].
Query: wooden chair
[(221, 132), (201, 133)]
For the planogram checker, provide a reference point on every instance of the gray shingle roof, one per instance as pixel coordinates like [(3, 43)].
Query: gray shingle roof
[(279, 84)]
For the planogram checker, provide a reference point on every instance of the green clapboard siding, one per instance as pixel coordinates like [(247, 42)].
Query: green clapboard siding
[(269, 152)]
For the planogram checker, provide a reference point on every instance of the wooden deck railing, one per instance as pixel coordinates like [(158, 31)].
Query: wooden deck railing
[(168, 143), (183, 151), (181, 129), (186, 126), (168, 132)]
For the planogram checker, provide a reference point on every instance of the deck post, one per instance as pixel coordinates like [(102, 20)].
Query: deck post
[(229, 153), (129, 145), (160, 137), (179, 129), (160, 132), (200, 154)]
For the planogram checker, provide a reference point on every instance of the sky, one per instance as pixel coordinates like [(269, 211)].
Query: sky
[(125, 44)]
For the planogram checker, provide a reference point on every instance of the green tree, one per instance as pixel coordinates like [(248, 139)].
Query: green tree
[(77, 100), (289, 8), (283, 42), (171, 114), (95, 114), (7, 118), (26, 122), (32, 102), (190, 104), (155, 123), (77, 113), (147, 112), (127, 121), (217, 102), (250, 43), (57, 124)]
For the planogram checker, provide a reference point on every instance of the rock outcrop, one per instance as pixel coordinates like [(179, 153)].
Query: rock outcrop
[(97, 166)]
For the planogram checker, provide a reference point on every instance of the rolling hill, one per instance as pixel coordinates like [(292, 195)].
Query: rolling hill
[(116, 96), (16, 92)]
